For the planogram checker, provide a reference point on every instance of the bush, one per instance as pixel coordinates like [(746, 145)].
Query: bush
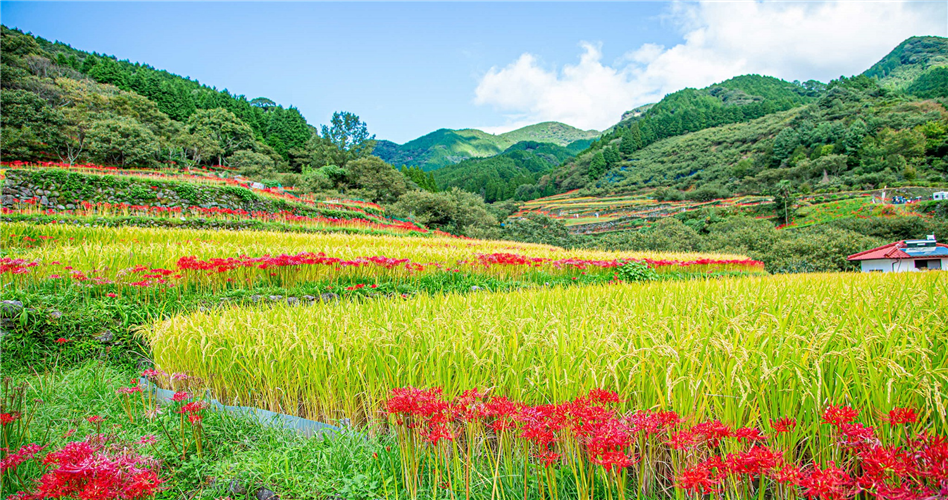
[(708, 193), (539, 228), (636, 271)]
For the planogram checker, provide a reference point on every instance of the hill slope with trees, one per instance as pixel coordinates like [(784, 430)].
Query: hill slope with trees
[(498, 178), (446, 147), (748, 134)]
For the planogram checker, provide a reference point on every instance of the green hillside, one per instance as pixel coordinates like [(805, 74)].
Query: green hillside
[(857, 135), (447, 147), (736, 100), (910, 60), (498, 177), (63, 91), (746, 134), (557, 133)]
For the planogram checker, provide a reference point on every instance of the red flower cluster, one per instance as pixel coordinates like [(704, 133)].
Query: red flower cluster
[(13, 460), (15, 266), (193, 411), (89, 471), (8, 418), (346, 215), (593, 428)]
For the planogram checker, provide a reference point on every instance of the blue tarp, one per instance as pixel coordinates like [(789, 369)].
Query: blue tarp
[(265, 417)]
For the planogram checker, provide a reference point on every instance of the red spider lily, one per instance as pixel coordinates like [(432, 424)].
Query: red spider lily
[(931, 456), (749, 435), (95, 419), (151, 373), (613, 460), (755, 462), (193, 407), (540, 424), (62, 340), (83, 470), (609, 437), (651, 422), (469, 406), (839, 415), (548, 458), (713, 432), (682, 440), (9, 418), (879, 462), (502, 411), (180, 396), (128, 390), (831, 483), (704, 478), (781, 425), (436, 432), (789, 475), (26, 452), (857, 434), (899, 416), (415, 402)]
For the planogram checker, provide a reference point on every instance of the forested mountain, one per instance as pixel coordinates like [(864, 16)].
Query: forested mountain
[(907, 62), (498, 178), (447, 147), (749, 133), (74, 102)]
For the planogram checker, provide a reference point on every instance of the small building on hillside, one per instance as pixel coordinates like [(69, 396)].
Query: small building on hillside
[(941, 195), (903, 256)]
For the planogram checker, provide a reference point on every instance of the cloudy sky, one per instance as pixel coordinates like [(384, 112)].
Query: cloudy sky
[(410, 68)]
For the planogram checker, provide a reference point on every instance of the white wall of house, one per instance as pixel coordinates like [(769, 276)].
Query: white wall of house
[(893, 265)]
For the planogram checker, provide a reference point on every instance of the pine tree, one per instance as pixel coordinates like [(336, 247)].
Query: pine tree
[(597, 166)]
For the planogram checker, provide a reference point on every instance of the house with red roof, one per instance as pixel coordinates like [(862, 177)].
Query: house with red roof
[(904, 256)]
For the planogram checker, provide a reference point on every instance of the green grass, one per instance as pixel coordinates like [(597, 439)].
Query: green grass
[(237, 449)]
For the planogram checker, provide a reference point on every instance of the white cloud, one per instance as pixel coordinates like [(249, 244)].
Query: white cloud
[(793, 41)]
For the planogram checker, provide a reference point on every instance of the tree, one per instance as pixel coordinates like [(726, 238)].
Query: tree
[(346, 139), (611, 156), (376, 180), (109, 71), (31, 128), (539, 228), (423, 180), (785, 144), (597, 166), (666, 235), (627, 146), (249, 164), (783, 202), (226, 132), (262, 102), (454, 211), (122, 141), (287, 130)]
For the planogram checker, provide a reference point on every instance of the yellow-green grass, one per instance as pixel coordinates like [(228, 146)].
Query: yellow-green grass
[(741, 350), (111, 250)]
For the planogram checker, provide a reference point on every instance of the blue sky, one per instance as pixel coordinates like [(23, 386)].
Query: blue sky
[(410, 68)]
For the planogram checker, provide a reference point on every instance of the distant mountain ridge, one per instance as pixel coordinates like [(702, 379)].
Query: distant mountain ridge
[(447, 147), (747, 134), (498, 177)]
